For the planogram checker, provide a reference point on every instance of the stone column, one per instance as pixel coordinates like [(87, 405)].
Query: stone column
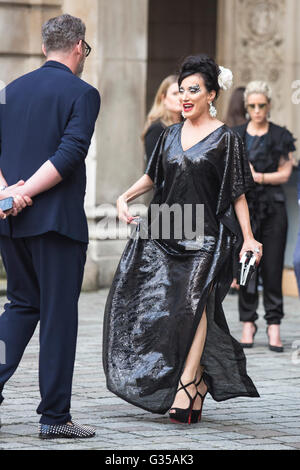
[(122, 39), (117, 31), (122, 64)]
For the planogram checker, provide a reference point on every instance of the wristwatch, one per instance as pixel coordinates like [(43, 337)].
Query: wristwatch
[(3, 187)]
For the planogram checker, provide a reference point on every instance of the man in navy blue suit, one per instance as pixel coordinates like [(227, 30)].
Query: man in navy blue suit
[(46, 128)]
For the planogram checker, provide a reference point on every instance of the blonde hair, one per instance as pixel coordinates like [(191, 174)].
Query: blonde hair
[(258, 86), (158, 111)]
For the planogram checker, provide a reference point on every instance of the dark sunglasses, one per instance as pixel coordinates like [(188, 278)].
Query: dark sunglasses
[(87, 48), (260, 105)]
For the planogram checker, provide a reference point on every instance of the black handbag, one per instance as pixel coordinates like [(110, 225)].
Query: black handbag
[(247, 266)]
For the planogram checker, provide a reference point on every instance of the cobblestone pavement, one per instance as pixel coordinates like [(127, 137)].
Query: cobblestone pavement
[(269, 422)]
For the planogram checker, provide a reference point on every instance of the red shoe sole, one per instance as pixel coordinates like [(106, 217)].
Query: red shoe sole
[(178, 422)]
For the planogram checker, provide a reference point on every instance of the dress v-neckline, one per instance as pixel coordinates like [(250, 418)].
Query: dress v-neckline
[(199, 141)]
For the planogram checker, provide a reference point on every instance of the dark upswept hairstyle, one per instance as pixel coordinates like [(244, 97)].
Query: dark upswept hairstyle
[(205, 66)]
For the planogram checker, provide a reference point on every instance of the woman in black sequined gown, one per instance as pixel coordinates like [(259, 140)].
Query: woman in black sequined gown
[(164, 321)]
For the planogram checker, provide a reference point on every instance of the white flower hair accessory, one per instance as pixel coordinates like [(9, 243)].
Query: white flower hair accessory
[(225, 78)]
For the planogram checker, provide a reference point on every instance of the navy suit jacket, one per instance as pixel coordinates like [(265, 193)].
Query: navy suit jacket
[(49, 114)]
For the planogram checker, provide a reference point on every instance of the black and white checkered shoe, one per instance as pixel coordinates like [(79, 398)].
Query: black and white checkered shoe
[(65, 431)]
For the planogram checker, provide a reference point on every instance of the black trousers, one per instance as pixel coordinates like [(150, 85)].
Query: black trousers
[(272, 234), (44, 278)]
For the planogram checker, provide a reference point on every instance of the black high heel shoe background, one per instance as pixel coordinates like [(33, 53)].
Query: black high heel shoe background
[(250, 345), (278, 349)]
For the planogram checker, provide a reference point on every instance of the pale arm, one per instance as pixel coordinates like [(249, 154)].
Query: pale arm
[(45, 178), (141, 186), (281, 176)]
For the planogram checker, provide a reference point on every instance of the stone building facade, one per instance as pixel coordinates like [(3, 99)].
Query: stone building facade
[(135, 44)]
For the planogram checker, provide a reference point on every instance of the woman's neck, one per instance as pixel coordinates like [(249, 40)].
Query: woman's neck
[(258, 127), (202, 120)]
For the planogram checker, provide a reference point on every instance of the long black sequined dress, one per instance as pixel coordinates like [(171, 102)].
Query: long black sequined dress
[(161, 288)]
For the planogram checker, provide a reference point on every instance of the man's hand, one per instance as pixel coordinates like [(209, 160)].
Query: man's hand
[(2, 215), (20, 201)]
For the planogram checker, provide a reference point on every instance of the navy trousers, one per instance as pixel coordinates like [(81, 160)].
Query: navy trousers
[(44, 278)]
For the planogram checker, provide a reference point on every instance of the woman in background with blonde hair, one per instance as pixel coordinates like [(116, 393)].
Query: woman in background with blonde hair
[(165, 111), (269, 148)]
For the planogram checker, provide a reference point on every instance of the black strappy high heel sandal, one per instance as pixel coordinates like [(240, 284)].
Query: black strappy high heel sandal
[(196, 414), (183, 415)]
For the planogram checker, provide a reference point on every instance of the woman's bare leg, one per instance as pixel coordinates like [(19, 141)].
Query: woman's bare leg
[(248, 332), (192, 367), (274, 335)]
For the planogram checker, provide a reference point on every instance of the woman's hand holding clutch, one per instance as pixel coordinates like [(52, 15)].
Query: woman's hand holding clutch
[(250, 244)]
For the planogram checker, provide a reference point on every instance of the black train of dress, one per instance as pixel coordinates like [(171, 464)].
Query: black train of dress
[(160, 288)]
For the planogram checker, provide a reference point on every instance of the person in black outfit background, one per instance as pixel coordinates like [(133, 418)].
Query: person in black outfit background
[(269, 148), (165, 111)]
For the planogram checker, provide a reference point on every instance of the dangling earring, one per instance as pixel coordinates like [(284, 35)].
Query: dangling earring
[(183, 115), (247, 116), (212, 110)]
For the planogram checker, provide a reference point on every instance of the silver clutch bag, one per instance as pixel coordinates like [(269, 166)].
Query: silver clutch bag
[(247, 266)]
